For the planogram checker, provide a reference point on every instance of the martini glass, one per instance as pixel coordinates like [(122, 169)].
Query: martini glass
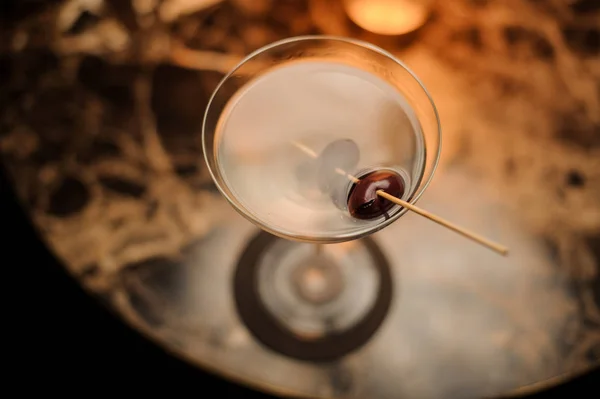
[(287, 135)]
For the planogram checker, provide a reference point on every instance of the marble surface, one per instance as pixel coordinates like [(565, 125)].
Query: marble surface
[(100, 119)]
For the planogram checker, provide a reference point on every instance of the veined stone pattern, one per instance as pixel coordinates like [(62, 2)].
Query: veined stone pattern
[(101, 114)]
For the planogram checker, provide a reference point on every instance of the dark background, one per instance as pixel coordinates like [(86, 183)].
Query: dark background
[(61, 341)]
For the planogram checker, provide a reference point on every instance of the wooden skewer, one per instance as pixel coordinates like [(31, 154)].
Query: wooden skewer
[(311, 153), (501, 249)]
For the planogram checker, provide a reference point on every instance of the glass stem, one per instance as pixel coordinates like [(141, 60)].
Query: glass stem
[(318, 249)]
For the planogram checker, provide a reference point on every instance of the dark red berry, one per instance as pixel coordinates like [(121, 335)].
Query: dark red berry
[(363, 201)]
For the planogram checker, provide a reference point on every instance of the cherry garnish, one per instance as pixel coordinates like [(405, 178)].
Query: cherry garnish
[(363, 201)]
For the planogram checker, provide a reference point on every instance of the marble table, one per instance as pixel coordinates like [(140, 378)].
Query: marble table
[(101, 113)]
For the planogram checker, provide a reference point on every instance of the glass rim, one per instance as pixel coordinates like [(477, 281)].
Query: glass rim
[(424, 182)]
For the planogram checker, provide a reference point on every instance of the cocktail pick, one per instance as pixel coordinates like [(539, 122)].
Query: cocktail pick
[(501, 249)]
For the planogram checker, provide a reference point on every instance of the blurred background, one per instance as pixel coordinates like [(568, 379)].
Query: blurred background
[(100, 115)]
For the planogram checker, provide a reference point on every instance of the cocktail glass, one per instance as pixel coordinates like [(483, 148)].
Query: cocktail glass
[(286, 135)]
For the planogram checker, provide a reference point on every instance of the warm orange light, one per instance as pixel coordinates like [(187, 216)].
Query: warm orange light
[(388, 17)]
